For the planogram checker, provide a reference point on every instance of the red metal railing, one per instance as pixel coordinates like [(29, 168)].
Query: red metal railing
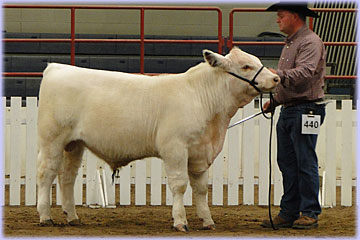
[(142, 39), (230, 43)]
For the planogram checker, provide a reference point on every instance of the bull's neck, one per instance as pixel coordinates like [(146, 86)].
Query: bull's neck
[(211, 89), (221, 93)]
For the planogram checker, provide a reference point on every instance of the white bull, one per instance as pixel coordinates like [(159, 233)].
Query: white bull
[(120, 117)]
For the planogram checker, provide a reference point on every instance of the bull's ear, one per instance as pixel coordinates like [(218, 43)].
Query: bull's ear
[(214, 59)]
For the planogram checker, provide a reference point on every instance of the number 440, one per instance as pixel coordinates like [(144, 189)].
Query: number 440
[(311, 124)]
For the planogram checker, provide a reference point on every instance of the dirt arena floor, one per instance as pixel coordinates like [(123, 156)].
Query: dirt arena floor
[(155, 221)]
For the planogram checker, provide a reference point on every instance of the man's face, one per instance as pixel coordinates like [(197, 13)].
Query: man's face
[(286, 21)]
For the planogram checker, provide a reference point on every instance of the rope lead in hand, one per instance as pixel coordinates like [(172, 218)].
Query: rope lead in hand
[(271, 128)]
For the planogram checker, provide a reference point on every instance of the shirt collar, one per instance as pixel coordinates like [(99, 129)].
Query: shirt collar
[(296, 34)]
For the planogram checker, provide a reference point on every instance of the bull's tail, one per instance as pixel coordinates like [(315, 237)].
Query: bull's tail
[(115, 174)]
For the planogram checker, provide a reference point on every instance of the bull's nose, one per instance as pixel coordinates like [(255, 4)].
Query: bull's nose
[(276, 79)]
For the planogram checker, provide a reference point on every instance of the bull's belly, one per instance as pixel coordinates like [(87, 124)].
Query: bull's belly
[(119, 151), (117, 159)]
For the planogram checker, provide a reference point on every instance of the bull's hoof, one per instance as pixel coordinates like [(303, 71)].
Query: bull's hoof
[(47, 223), (181, 228), (75, 222), (209, 227)]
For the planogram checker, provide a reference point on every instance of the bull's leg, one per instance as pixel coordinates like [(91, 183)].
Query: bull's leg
[(199, 184), (49, 159), (67, 176), (175, 160)]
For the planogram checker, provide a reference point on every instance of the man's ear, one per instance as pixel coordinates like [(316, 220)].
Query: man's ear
[(214, 59)]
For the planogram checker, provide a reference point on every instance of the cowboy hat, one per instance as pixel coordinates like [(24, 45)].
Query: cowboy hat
[(298, 7)]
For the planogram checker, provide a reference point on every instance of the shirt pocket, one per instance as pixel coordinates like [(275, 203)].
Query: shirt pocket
[(286, 63)]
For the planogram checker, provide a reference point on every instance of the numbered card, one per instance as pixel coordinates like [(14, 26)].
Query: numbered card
[(310, 124)]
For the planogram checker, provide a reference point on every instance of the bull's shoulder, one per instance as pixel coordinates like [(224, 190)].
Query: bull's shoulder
[(53, 66), (55, 70)]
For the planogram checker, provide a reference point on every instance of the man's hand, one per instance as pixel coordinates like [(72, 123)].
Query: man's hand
[(267, 107)]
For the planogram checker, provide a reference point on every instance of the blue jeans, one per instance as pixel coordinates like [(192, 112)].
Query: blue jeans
[(298, 163)]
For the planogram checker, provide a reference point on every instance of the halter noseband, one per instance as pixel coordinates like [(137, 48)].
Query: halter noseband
[(251, 82)]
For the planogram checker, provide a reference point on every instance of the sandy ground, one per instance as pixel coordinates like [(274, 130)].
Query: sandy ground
[(130, 221)]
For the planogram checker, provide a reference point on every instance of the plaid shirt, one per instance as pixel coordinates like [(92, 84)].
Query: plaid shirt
[(301, 67)]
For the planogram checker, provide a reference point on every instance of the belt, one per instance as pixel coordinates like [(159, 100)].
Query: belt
[(294, 103)]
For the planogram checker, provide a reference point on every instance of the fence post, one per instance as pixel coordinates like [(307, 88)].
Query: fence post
[(234, 159), (248, 156), (91, 187), (140, 182), (15, 153), (320, 152), (346, 161), (110, 187), (217, 183), (31, 151), (264, 131), (125, 186), (156, 171), (330, 155), (58, 190)]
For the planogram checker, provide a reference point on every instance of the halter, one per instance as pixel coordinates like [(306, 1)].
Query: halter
[(251, 82)]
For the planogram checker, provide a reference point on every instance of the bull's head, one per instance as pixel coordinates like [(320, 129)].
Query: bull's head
[(245, 69)]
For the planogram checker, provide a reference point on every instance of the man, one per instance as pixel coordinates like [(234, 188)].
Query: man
[(301, 68)]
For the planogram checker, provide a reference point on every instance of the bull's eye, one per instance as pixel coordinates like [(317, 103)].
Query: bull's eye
[(246, 67)]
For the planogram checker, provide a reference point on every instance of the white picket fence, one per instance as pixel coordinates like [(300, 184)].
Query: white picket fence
[(243, 161)]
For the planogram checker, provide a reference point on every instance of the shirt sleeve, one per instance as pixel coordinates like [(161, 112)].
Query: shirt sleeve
[(307, 58)]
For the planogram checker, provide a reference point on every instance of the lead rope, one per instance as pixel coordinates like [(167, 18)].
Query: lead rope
[(270, 140), (271, 129)]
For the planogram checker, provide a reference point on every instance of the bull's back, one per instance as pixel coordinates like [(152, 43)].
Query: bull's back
[(66, 87)]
